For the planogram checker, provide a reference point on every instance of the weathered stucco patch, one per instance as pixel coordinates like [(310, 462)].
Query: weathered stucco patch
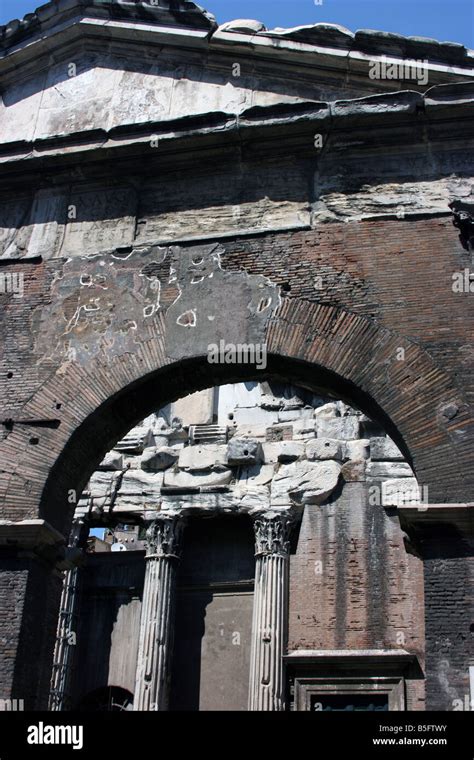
[(230, 306), (109, 302)]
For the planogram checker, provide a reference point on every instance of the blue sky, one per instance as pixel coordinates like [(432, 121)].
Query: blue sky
[(451, 20)]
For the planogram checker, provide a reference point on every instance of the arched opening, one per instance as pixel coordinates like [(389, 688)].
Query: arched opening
[(219, 458), (97, 434)]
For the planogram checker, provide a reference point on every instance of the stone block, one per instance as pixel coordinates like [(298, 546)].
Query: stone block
[(357, 450), (384, 450), (244, 451), (249, 431), (126, 506), (178, 435), (344, 410), (233, 396), (257, 474), (253, 499), (304, 483), (383, 470), (270, 452), (323, 448), (195, 409), (295, 403), (254, 416), (288, 451), (353, 471), (154, 459), (271, 403), (197, 479), (113, 460), (161, 441), (102, 488), (113, 226), (305, 428), (202, 457), (292, 415), (139, 489), (341, 428), (327, 410), (233, 500), (400, 491)]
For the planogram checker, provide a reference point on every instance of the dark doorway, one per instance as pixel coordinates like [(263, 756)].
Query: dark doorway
[(214, 616)]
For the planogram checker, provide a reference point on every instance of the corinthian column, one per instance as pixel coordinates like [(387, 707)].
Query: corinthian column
[(272, 532), (156, 623)]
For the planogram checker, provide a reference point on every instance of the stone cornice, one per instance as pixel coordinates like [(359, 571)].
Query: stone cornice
[(317, 46), (187, 15), (441, 105), (29, 534), (181, 14), (39, 539)]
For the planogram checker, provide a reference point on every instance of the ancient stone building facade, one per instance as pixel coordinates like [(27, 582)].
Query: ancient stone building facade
[(268, 218)]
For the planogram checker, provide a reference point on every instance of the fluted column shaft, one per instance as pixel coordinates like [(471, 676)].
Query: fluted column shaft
[(66, 634), (157, 615), (65, 643), (270, 611)]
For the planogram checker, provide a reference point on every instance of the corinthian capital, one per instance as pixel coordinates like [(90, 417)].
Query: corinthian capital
[(163, 536), (272, 532)]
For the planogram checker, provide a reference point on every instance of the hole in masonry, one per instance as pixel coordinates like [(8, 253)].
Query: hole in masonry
[(471, 627), (285, 287), (230, 416), (246, 453), (9, 374), (58, 406), (34, 441)]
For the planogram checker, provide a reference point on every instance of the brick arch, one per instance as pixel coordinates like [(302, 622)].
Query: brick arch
[(318, 346)]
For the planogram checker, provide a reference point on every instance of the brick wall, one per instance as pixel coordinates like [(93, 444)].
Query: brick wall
[(353, 585), (384, 284), (449, 597)]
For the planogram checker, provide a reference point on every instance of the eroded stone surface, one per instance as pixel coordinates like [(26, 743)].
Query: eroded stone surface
[(292, 460), (243, 451), (197, 479), (381, 470), (383, 449), (139, 489), (357, 450), (113, 460), (341, 428), (400, 491), (324, 448), (155, 459), (288, 451), (304, 483), (202, 457)]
